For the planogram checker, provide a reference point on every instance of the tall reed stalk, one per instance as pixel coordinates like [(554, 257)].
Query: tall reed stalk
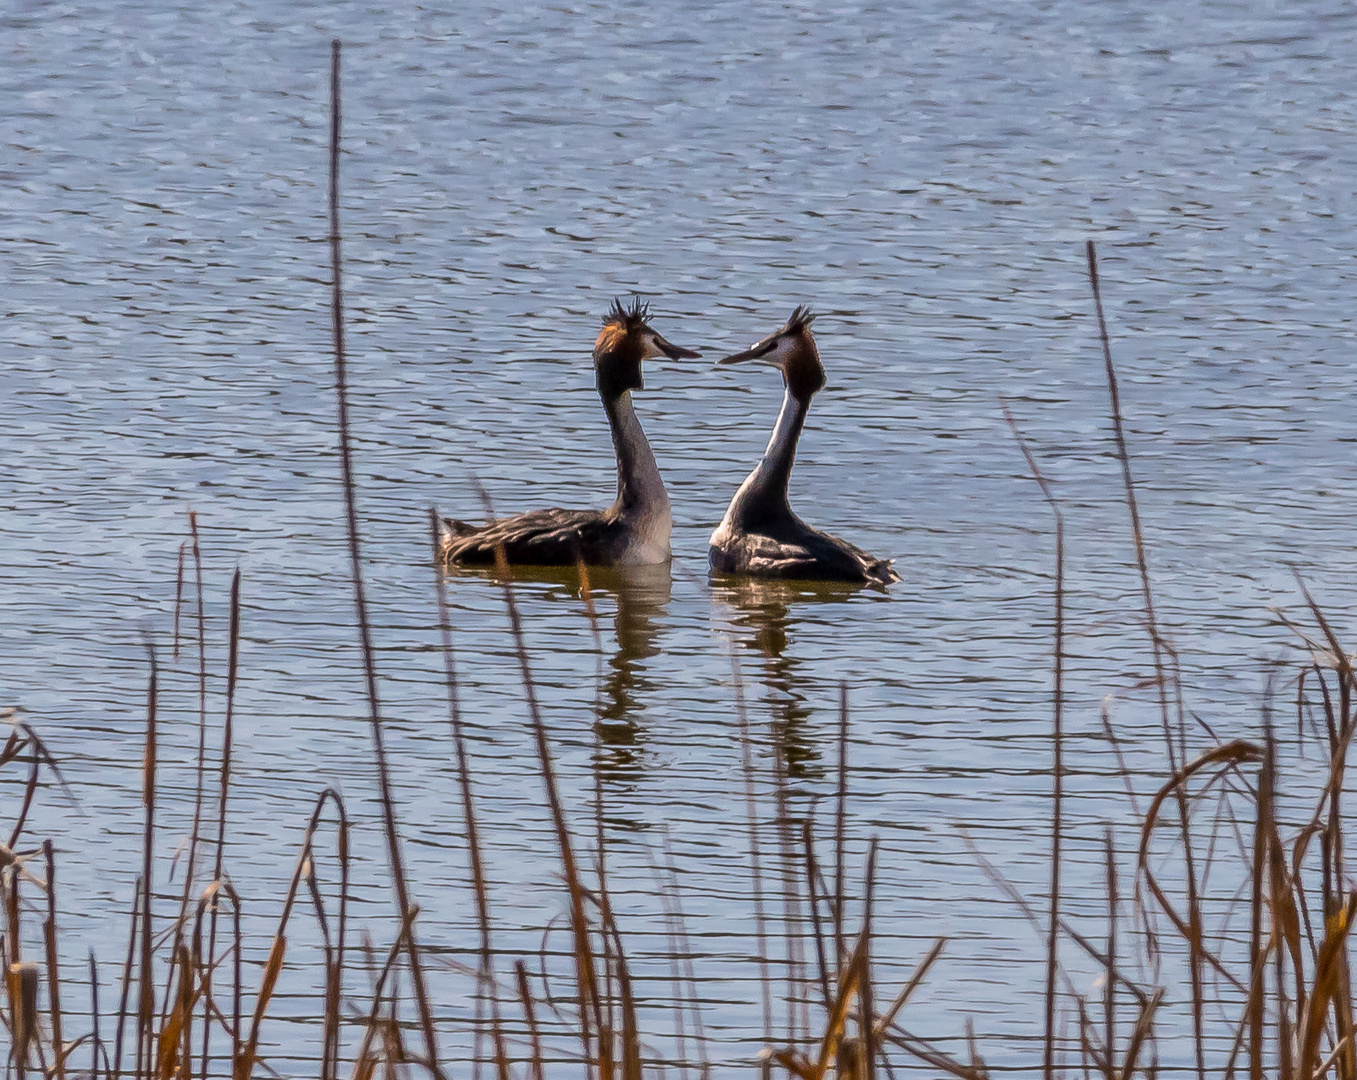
[(393, 845)]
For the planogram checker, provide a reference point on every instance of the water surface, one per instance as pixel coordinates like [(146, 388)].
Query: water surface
[(924, 176)]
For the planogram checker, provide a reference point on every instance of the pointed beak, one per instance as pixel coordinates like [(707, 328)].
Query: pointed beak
[(673, 351), (754, 352)]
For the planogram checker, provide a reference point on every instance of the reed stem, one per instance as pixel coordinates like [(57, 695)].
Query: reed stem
[(393, 845)]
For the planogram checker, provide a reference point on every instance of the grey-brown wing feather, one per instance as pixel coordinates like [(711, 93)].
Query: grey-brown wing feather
[(810, 556), (552, 537)]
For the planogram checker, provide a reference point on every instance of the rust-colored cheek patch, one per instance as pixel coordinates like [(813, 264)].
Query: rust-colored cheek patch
[(609, 338)]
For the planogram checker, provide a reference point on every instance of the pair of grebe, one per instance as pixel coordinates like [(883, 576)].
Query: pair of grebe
[(759, 536)]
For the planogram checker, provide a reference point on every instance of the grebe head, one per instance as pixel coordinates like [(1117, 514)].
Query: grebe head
[(791, 349), (625, 340)]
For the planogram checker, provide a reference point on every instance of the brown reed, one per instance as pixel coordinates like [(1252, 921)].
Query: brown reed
[(393, 844)]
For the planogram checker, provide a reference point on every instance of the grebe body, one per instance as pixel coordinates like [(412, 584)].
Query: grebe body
[(635, 529), (760, 535)]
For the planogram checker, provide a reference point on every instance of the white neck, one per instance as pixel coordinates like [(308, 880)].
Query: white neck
[(764, 493)]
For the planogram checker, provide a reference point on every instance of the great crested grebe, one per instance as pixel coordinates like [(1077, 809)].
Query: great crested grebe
[(760, 536), (635, 529)]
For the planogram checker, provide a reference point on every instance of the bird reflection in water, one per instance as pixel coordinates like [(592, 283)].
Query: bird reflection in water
[(639, 596), (761, 613)]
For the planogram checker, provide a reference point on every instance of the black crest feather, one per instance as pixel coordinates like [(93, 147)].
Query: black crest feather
[(801, 318), (629, 318)]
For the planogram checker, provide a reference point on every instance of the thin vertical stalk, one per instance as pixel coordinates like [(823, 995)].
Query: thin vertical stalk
[(178, 595), (1257, 953), (611, 967), (530, 1016), (210, 901), (334, 948), (791, 907), (30, 789), (127, 979), (1110, 990), (689, 974), (684, 976), (664, 888), (1276, 883), (22, 1021), (224, 790), (840, 823), (1058, 792), (370, 1024), (1157, 645), (356, 567), (486, 975), (589, 997), (812, 872), (190, 862), (96, 1044), (1128, 482), (146, 997), (1057, 749), (756, 861), (867, 1019), (49, 931), (1340, 735), (184, 1008)]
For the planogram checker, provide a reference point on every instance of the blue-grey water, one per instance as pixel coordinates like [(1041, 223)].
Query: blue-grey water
[(925, 176)]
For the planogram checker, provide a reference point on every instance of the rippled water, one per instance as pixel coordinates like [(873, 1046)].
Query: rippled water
[(924, 175)]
